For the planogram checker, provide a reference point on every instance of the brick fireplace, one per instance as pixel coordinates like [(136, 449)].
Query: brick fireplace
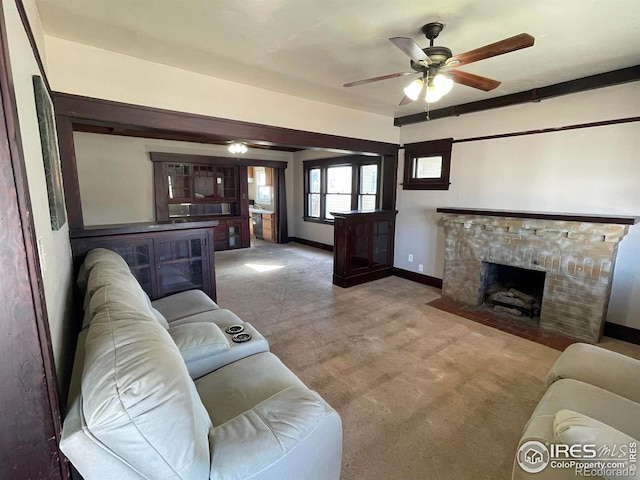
[(577, 253)]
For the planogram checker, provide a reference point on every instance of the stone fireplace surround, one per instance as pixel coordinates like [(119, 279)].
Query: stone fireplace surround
[(577, 252)]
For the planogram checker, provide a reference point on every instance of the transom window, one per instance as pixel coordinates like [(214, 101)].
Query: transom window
[(427, 165), (340, 184)]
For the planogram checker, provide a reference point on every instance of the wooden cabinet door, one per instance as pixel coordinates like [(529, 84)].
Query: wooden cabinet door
[(268, 230), (180, 182)]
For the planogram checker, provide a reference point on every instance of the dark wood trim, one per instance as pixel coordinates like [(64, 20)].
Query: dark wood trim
[(311, 243), (622, 332), (280, 187), (235, 161), (616, 77), (32, 41), (441, 147), (30, 405), (418, 277), (145, 227), (243, 186), (107, 112), (389, 181), (124, 131), (160, 189), (576, 126), (74, 110), (565, 217), (68, 166)]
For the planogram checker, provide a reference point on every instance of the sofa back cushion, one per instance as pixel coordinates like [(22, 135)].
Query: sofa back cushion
[(138, 400)]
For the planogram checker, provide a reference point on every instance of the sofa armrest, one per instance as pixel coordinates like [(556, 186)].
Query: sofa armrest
[(270, 431), (197, 341), (602, 368)]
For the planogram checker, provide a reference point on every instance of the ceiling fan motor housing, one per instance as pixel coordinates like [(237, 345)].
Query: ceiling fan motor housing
[(438, 55)]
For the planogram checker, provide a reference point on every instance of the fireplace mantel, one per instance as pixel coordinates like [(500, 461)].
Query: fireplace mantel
[(566, 217)]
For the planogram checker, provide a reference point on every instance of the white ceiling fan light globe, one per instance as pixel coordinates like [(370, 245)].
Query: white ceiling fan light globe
[(432, 95), (413, 89), (443, 84)]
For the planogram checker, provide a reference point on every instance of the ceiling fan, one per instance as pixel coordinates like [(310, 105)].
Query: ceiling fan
[(435, 64)]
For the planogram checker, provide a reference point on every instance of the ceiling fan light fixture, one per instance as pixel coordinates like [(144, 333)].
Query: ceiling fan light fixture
[(443, 84), (432, 95), (413, 89), (238, 147)]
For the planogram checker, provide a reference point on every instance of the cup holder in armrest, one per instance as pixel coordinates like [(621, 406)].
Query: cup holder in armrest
[(234, 329), (241, 337)]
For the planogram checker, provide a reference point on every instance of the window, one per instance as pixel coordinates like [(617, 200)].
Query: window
[(427, 165), (339, 184)]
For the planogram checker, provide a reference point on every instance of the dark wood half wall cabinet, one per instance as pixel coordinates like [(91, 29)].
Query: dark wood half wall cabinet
[(363, 246), (165, 258)]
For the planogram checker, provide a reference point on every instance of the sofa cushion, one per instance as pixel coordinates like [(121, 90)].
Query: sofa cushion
[(270, 430), (160, 318), (222, 318), (573, 428), (184, 304), (137, 394), (99, 256), (597, 366), (132, 292), (597, 403), (238, 387), (199, 340)]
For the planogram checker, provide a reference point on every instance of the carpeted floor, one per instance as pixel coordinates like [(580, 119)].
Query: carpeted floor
[(423, 394)]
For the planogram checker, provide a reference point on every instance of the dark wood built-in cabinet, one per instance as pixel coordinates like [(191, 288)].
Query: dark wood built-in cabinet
[(165, 259), (363, 246), (197, 187)]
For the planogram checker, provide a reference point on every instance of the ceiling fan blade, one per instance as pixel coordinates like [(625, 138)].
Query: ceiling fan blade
[(475, 81), (405, 100), (507, 45), (411, 49), (377, 79)]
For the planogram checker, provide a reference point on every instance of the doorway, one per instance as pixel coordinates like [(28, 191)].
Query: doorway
[(262, 204)]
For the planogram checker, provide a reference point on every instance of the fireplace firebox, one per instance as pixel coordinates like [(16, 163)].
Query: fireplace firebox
[(512, 290)]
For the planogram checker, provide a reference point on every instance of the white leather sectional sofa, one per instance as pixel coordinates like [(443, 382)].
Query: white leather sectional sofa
[(160, 391), (592, 399)]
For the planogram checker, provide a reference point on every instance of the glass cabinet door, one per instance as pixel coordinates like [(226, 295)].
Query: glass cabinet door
[(203, 182), (226, 183), (381, 244), (359, 238), (138, 257), (181, 264), (179, 181)]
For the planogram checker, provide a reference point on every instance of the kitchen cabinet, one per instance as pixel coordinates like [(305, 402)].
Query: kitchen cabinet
[(268, 227), (363, 246), (164, 258)]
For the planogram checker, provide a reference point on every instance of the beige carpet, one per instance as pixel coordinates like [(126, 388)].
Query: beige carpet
[(423, 394)]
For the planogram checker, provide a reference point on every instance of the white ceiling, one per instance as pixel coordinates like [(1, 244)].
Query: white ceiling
[(310, 48)]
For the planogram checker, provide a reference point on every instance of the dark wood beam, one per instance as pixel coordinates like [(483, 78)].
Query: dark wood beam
[(616, 77), (106, 112)]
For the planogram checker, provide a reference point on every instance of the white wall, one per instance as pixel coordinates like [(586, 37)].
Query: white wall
[(83, 70), (55, 249), (593, 170), (116, 174)]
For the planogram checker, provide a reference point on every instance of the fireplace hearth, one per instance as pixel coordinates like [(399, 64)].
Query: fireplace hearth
[(567, 261)]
